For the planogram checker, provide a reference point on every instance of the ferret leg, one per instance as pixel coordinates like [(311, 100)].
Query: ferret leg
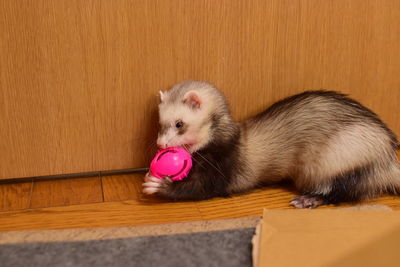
[(351, 186)]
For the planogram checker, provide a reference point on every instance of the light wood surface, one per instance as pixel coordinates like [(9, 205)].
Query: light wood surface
[(122, 187), (77, 203), (79, 79), (83, 234), (129, 212), (15, 196), (66, 192)]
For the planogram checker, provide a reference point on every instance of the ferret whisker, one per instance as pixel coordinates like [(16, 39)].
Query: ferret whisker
[(186, 147), (210, 163)]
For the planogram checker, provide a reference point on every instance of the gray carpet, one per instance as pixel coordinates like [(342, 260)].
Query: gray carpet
[(219, 248)]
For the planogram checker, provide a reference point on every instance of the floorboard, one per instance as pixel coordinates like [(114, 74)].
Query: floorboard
[(53, 193), (106, 214), (15, 196), (118, 201), (150, 211), (122, 187)]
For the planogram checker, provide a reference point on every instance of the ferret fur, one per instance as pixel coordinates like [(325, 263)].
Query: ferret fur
[(333, 148)]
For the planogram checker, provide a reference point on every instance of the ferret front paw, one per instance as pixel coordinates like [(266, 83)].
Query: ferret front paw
[(153, 185), (307, 202)]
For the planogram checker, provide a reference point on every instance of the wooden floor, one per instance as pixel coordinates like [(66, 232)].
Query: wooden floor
[(118, 201)]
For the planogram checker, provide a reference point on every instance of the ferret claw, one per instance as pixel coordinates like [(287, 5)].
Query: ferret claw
[(307, 202), (151, 185)]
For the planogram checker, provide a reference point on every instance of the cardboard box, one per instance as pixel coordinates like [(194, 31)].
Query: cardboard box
[(328, 237)]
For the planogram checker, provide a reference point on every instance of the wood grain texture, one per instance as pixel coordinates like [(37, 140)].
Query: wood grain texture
[(125, 213), (84, 234), (78, 79), (149, 212), (66, 192), (15, 196), (122, 187), (127, 187)]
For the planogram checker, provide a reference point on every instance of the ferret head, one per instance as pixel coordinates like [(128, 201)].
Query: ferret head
[(188, 114)]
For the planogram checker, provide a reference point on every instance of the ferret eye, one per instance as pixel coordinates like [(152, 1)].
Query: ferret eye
[(179, 124)]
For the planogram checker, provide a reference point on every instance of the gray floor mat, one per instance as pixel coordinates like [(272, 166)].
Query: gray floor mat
[(218, 248)]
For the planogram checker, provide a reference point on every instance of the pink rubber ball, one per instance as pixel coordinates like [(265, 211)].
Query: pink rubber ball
[(174, 162)]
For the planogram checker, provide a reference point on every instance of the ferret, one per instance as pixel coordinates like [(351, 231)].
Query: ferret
[(330, 146)]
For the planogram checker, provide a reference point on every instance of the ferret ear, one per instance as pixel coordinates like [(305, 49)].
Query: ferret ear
[(192, 99), (162, 96)]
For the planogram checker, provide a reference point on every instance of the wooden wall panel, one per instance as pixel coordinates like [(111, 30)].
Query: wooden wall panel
[(79, 79)]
